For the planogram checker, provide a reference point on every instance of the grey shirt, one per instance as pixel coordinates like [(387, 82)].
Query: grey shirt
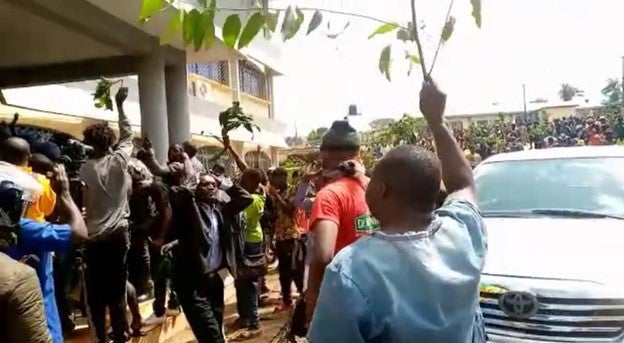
[(108, 184)]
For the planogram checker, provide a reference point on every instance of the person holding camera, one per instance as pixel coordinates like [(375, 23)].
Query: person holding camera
[(40, 239)]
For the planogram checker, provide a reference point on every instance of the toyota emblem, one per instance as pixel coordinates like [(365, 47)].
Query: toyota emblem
[(518, 304)]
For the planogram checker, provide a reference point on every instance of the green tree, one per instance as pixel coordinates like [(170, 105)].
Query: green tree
[(381, 123), (613, 94), (567, 92), (315, 136)]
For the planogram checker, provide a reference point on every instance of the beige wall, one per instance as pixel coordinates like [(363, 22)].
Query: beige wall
[(559, 112)]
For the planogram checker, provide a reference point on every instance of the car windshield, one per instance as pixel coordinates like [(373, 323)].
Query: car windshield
[(590, 185)]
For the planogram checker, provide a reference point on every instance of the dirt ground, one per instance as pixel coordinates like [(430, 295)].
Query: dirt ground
[(271, 323)]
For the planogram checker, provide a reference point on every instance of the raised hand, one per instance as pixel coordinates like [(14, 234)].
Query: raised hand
[(121, 95), (432, 103)]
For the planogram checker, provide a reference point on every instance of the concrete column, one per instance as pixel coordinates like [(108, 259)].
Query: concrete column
[(178, 119), (153, 102), (270, 97), (234, 74)]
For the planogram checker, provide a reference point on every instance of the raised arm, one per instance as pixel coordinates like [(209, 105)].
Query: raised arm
[(239, 161), (456, 171), (67, 206), (125, 145)]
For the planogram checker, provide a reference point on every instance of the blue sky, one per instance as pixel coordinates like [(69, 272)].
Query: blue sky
[(541, 43)]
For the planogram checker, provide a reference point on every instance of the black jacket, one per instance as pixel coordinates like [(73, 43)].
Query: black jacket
[(189, 230)]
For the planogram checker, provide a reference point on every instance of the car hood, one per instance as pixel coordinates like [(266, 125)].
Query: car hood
[(556, 248)]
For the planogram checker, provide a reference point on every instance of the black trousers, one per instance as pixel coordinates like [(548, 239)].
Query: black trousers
[(64, 277), (139, 260), (106, 277), (162, 268), (202, 301), (290, 267)]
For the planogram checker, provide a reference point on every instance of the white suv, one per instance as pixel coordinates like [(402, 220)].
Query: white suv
[(555, 221)]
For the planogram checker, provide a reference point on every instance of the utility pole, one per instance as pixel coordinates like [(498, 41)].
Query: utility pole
[(524, 99)]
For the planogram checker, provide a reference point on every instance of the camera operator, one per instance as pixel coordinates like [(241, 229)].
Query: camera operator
[(42, 238), (22, 317)]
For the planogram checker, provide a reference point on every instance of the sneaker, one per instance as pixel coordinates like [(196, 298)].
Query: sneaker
[(246, 334), (236, 325)]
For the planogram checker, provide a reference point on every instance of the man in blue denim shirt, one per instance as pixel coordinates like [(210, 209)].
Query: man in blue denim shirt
[(417, 279)]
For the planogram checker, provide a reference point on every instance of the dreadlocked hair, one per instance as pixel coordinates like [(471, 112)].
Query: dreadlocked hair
[(99, 136)]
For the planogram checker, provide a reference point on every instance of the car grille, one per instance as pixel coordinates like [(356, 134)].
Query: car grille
[(558, 320)]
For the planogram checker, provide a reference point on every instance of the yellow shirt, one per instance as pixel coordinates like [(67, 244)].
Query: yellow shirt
[(45, 205)]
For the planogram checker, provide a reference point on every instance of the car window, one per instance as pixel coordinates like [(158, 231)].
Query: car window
[(587, 184)]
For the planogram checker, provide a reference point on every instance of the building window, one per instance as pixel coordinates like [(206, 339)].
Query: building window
[(252, 80), (216, 71)]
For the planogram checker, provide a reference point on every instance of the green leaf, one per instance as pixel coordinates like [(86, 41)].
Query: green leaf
[(476, 11), (253, 26), (199, 28), (412, 58), (292, 22), (188, 24), (149, 8), (447, 31), (175, 24), (385, 28), (315, 22), (271, 21), (231, 29), (384, 61), (405, 35), (208, 22)]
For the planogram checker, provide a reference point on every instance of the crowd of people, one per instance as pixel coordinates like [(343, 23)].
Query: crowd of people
[(177, 230), (483, 139)]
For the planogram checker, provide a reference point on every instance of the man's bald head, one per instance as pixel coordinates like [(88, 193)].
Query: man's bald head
[(410, 175), (15, 150)]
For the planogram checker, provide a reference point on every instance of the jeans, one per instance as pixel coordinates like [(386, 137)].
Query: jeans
[(290, 268), (202, 301), (106, 277), (247, 292)]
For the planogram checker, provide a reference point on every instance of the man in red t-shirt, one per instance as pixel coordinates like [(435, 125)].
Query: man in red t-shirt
[(339, 213)]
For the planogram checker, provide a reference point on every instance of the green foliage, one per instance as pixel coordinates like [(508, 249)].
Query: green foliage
[(233, 118), (447, 31), (231, 30), (613, 95), (567, 92), (404, 131), (316, 21), (254, 25), (476, 11), (385, 61), (198, 26), (385, 28), (102, 94), (315, 136)]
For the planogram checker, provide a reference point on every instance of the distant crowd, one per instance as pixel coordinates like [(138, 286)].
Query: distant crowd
[(480, 141)]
